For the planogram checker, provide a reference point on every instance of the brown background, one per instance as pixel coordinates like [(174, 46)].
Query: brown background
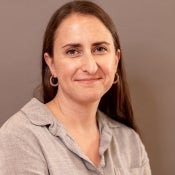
[(146, 29)]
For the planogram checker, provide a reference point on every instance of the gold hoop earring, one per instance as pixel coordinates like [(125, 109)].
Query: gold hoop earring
[(53, 81), (116, 79)]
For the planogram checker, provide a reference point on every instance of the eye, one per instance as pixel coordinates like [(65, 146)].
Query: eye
[(100, 50), (72, 52)]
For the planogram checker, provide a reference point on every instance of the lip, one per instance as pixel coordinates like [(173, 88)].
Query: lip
[(88, 80)]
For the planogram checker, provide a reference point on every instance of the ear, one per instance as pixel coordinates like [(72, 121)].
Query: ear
[(117, 58), (50, 63), (118, 55)]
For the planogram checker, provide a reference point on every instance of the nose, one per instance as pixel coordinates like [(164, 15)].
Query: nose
[(89, 64)]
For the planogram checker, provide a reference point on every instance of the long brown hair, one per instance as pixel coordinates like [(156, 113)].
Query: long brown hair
[(116, 102)]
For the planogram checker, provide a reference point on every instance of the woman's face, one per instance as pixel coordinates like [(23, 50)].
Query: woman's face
[(84, 59)]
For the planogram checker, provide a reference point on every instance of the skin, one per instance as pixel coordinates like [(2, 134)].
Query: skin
[(85, 62)]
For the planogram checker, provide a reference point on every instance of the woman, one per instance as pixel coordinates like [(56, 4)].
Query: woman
[(86, 124)]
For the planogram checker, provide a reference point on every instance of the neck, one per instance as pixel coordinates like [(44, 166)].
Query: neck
[(79, 116), (80, 121)]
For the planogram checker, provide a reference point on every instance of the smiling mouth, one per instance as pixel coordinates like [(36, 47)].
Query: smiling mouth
[(88, 80)]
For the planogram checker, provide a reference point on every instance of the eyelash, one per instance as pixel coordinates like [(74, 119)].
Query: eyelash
[(74, 52), (104, 49)]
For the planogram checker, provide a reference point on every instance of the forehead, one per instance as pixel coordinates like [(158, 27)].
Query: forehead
[(80, 26)]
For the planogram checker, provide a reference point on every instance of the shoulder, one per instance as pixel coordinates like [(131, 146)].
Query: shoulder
[(126, 141), (22, 131), (27, 123), (116, 127), (19, 136), (124, 137), (17, 123)]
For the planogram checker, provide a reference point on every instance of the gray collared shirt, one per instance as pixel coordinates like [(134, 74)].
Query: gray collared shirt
[(34, 142)]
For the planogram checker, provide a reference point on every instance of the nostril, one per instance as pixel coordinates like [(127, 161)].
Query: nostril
[(89, 65)]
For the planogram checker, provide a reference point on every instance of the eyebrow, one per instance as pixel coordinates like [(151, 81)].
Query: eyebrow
[(78, 45), (72, 45), (100, 43)]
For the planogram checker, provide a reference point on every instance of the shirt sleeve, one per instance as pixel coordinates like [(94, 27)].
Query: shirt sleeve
[(19, 156)]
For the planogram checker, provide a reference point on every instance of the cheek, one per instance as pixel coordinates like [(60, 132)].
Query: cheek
[(110, 65), (64, 69)]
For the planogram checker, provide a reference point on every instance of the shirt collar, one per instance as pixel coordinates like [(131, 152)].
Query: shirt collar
[(105, 121), (40, 115), (106, 126), (37, 112)]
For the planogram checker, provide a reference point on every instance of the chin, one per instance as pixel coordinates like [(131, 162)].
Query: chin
[(90, 98)]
